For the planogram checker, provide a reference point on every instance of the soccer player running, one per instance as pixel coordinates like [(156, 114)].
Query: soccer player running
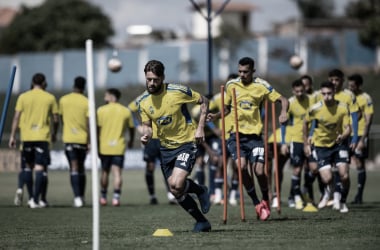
[(73, 108), (299, 103), (365, 104), (151, 154), (165, 105), (332, 119), (250, 94), (336, 76), (39, 110), (113, 120)]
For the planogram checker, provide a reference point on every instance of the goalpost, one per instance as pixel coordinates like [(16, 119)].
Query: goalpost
[(94, 143)]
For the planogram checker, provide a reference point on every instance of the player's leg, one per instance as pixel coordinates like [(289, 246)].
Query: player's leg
[(117, 167), (359, 158), (74, 173), (20, 183), (42, 160), (104, 176)]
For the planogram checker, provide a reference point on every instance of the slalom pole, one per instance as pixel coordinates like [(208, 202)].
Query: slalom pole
[(267, 168), (94, 145), (275, 153), (242, 212), (6, 101), (224, 153)]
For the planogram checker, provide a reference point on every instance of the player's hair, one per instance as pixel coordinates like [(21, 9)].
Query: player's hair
[(336, 72), (297, 83), (79, 82), (308, 77), (357, 78), (115, 92), (247, 61), (38, 79), (327, 84), (156, 67)]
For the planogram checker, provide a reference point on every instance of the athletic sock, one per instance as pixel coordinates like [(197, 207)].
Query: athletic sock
[(362, 176), (211, 179), (38, 185), (82, 184), (103, 193), (116, 194), (28, 180), (192, 187), (149, 179), (74, 179), (44, 186), (191, 207), (253, 195), (200, 176), (309, 178), (296, 185), (20, 182)]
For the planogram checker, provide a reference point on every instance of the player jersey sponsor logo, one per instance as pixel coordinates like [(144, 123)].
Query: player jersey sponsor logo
[(245, 105), (164, 120)]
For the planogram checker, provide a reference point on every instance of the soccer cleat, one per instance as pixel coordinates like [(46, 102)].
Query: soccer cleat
[(32, 204), (324, 201), (18, 197), (233, 201), (262, 210), (43, 204), (298, 202), (204, 200), (358, 200), (103, 201), (78, 202), (310, 208), (343, 208), (275, 202), (204, 226), (217, 197), (153, 201), (115, 202)]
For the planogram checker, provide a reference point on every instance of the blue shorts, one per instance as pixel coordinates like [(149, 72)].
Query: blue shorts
[(333, 155), (36, 152), (152, 151), (251, 147), (182, 157), (297, 155), (75, 151), (214, 143), (109, 160)]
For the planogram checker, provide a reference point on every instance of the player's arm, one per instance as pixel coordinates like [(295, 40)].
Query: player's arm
[(218, 115), (147, 132), (55, 127), (200, 133), (131, 137), (284, 109), (15, 124), (306, 141), (368, 122), (345, 134)]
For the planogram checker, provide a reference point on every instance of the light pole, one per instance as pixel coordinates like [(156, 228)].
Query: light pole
[(209, 19)]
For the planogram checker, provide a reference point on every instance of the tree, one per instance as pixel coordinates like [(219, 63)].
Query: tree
[(56, 25), (311, 9), (368, 12)]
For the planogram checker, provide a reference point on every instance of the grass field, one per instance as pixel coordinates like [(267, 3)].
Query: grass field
[(131, 226)]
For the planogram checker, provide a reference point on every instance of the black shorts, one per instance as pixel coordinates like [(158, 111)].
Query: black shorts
[(152, 151), (251, 147), (332, 155), (297, 154), (109, 160), (75, 151), (182, 157), (36, 152)]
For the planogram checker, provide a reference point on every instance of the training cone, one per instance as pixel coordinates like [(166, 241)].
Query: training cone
[(162, 233), (310, 208)]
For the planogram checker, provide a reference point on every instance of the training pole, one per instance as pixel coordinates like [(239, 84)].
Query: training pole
[(275, 153), (94, 145), (6, 102), (266, 138), (224, 153), (242, 212)]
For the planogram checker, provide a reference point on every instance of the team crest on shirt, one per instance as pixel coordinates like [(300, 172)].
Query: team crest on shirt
[(151, 110), (164, 120)]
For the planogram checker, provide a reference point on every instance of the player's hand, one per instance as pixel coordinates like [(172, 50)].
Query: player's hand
[(145, 139), (307, 150), (284, 149), (199, 136), (12, 142), (211, 117), (339, 139)]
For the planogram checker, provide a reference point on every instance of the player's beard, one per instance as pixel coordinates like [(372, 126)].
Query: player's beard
[(153, 89)]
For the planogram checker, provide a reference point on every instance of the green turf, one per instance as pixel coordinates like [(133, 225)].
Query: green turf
[(131, 226)]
